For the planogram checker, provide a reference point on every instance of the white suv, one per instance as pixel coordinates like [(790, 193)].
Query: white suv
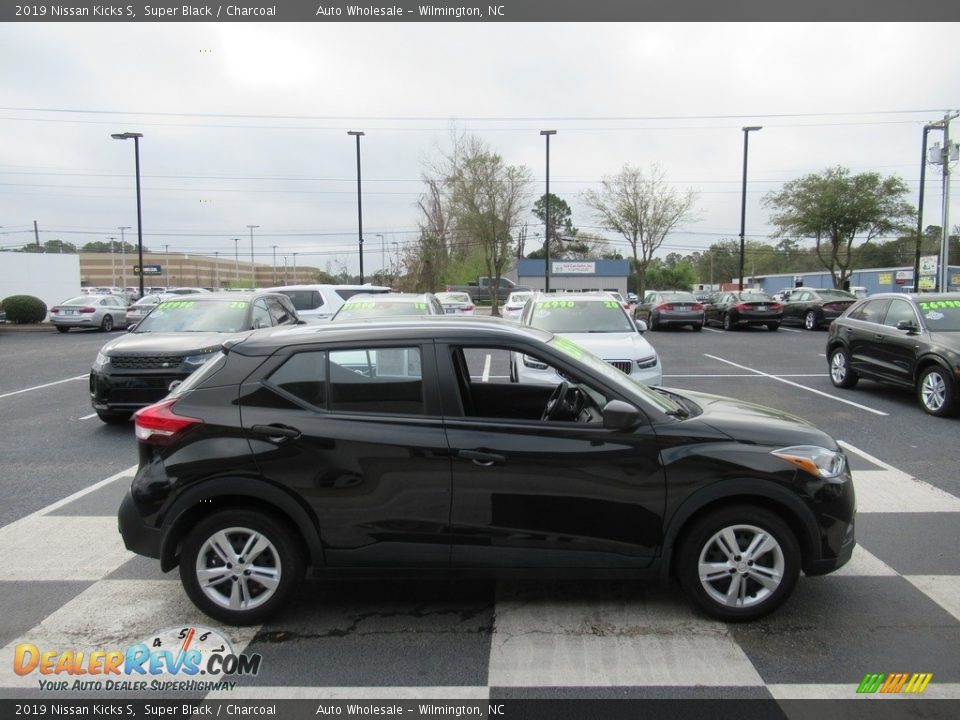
[(319, 303), (598, 324)]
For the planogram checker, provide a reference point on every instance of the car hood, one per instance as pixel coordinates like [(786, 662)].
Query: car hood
[(162, 343), (750, 423), (613, 346)]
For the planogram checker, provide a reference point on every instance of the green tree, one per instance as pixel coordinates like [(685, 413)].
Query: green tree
[(643, 208), (837, 210), (671, 274), (561, 224)]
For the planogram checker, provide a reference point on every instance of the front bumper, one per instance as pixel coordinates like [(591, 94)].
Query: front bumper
[(119, 390)]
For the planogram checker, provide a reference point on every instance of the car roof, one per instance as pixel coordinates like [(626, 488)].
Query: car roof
[(414, 328), (392, 297), (599, 295), (321, 286), (216, 297), (924, 297)]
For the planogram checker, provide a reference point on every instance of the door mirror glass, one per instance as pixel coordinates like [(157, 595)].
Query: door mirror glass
[(908, 325)]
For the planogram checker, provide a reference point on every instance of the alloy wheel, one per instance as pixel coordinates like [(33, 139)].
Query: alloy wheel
[(238, 568), (741, 566)]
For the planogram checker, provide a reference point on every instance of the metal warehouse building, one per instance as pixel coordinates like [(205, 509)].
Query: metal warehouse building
[(874, 280)]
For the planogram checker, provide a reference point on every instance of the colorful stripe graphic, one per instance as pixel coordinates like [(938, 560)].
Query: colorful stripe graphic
[(893, 683)]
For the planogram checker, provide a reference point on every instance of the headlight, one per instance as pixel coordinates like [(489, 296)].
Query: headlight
[(101, 360), (195, 361), (533, 363), (647, 362), (815, 460)]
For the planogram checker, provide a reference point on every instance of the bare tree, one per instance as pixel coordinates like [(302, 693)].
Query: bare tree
[(433, 249), (643, 209), (487, 199)]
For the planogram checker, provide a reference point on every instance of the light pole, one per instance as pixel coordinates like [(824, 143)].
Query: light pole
[(358, 134), (136, 154), (236, 261), (113, 263), (923, 176), (274, 265), (383, 253), (294, 268), (743, 195), (253, 267), (123, 255), (166, 266), (546, 237)]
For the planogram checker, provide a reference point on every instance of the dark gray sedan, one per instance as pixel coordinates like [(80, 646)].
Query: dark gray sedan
[(663, 308), (734, 310)]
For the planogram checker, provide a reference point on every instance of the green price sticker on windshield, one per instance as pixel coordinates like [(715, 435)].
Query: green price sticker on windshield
[(611, 304), (360, 306), (938, 304), (555, 304), (177, 305), (238, 304), (420, 306)]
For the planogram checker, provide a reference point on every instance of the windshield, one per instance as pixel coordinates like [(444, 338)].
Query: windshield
[(193, 316), (519, 297), (754, 297), (677, 297), (940, 315), (581, 316), (149, 300), (609, 373), (84, 300), (380, 308), (453, 298)]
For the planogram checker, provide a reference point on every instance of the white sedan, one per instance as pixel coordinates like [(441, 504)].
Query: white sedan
[(456, 303), (596, 323)]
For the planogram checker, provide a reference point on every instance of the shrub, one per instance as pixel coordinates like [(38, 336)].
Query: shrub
[(24, 309)]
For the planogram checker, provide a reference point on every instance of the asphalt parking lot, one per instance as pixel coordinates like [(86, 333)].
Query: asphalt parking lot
[(894, 608)]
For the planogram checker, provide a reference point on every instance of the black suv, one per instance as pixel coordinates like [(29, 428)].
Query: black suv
[(178, 336), (908, 340), (403, 445)]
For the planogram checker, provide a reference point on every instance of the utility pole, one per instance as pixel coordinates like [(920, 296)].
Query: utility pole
[(113, 261), (945, 240), (123, 256)]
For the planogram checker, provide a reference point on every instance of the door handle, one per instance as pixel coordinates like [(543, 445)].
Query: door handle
[(277, 432), (480, 457)]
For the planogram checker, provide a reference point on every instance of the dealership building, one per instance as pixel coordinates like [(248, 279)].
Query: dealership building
[(573, 275)]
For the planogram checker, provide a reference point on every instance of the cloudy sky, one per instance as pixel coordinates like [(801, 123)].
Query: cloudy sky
[(247, 123)]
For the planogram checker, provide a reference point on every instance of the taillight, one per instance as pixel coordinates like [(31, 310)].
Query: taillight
[(157, 423), (468, 307), (665, 306), (836, 305), (54, 310), (87, 310), (744, 306), (698, 306), (776, 306)]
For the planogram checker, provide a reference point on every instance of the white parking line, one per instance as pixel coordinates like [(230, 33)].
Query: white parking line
[(40, 387), (791, 330), (87, 417), (486, 369), (797, 385), (713, 330), (744, 375)]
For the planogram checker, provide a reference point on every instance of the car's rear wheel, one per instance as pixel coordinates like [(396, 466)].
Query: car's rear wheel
[(654, 322), (840, 373), (739, 563), (114, 417), (935, 391), (240, 566), (773, 326), (697, 327), (61, 328), (107, 323), (810, 320), (728, 323)]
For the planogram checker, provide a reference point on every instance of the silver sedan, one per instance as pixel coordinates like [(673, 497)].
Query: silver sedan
[(90, 311)]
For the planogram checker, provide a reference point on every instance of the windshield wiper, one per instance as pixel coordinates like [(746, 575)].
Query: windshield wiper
[(681, 413)]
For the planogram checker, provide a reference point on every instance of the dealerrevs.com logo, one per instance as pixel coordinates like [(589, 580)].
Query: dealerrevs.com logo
[(895, 683), (185, 659)]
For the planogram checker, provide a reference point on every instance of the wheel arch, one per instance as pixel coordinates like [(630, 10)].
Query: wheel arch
[(218, 494), (928, 360), (758, 493)]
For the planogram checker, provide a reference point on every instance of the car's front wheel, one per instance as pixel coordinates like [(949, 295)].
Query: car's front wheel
[(935, 391), (739, 563), (840, 373), (240, 566)]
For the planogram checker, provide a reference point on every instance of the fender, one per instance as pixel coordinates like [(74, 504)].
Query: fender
[(176, 523), (744, 488), (930, 358)]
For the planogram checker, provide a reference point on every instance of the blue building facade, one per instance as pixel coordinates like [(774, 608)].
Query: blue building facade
[(574, 275), (872, 280)]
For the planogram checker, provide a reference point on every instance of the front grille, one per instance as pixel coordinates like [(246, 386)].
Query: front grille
[(623, 366), (145, 362)]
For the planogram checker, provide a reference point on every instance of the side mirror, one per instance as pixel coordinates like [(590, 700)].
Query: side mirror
[(909, 325), (619, 415), (641, 326)]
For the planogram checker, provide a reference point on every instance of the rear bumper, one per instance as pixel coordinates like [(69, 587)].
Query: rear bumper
[(137, 537)]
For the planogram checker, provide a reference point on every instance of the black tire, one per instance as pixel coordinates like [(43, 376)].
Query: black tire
[(61, 328), (778, 563), (935, 391), (281, 555), (654, 322), (810, 321), (728, 323), (107, 323), (773, 327), (697, 327), (113, 417), (840, 373)]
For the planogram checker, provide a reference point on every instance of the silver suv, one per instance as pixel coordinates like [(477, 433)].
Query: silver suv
[(319, 303)]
